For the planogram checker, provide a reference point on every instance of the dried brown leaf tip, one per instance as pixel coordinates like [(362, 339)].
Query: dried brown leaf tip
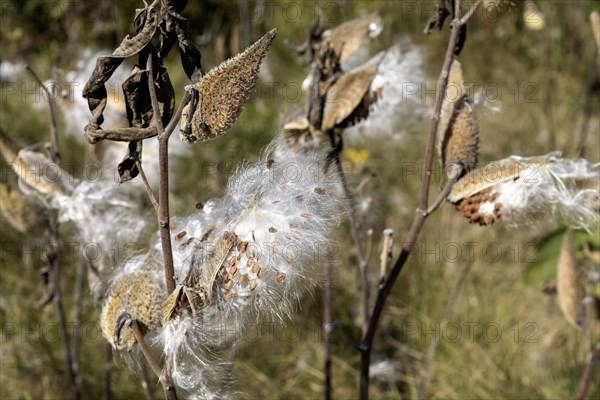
[(344, 98), (458, 131), (570, 286), (223, 91), (346, 38)]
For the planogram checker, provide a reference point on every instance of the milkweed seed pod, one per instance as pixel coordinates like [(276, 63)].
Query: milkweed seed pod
[(570, 286), (20, 213), (458, 131), (518, 188), (346, 38), (248, 256), (347, 93), (38, 174), (223, 91), (140, 294)]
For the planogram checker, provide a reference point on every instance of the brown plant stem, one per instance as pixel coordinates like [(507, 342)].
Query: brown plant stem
[(363, 265), (588, 373), (55, 154), (163, 184), (421, 213), (145, 380), (77, 318), (52, 257), (151, 196)]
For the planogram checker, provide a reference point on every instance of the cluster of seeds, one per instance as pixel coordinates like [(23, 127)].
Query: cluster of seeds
[(471, 207)]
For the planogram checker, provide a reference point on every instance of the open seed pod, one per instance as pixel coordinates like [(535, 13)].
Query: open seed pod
[(570, 286), (345, 96), (477, 194), (222, 93), (139, 294), (346, 38), (458, 131)]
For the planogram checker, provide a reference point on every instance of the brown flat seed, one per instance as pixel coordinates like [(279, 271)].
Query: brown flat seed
[(272, 229), (232, 261), (199, 205), (227, 284), (227, 296), (274, 248), (270, 163), (250, 261), (182, 246), (475, 217), (280, 277), (319, 191), (240, 280), (233, 271), (252, 285), (242, 246), (254, 268), (259, 274), (290, 258), (180, 236), (497, 206), (257, 300)]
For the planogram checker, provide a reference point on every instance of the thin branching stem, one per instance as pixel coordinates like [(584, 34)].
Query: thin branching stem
[(588, 372), (149, 191), (363, 265), (53, 257), (420, 215)]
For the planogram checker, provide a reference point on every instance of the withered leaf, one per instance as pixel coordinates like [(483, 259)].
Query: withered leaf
[(94, 90)]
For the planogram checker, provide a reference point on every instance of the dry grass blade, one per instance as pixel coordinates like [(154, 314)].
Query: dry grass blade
[(570, 286)]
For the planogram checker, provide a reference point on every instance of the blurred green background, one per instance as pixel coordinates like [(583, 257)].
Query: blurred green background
[(508, 338)]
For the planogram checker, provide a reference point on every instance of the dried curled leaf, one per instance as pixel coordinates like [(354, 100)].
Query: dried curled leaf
[(458, 131), (346, 38), (348, 92), (570, 286), (223, 91), (94, 90)]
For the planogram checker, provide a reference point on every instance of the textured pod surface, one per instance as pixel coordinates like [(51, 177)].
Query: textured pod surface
[(346, 38), (570, 287), (346, 94), (458, 131), (139, 293), (497, 172), (223, 92)]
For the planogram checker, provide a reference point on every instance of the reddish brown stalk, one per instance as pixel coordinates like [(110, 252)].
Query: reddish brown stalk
[(422, 211)]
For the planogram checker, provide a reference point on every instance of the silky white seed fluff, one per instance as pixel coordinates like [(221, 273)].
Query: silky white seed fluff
[(284, 208), (551, 188), (400, 78)]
